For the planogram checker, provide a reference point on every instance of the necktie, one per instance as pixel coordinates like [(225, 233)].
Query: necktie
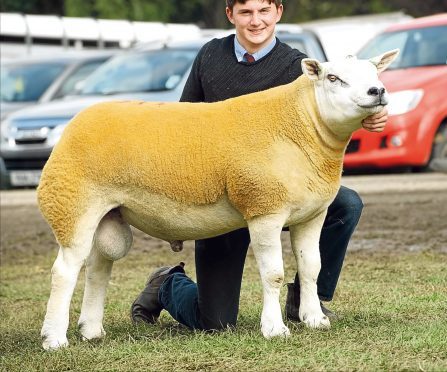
[(249, 58)]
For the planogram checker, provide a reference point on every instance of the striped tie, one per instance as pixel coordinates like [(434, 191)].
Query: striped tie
[(249, 58)]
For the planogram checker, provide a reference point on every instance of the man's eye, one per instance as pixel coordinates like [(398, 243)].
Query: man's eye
[(332, 78)]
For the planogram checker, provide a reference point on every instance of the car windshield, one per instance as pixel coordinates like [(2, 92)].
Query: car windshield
[(418, 47), (140, 72), (27, 83)]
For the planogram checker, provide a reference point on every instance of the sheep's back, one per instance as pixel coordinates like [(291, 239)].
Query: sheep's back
[(168, 148)]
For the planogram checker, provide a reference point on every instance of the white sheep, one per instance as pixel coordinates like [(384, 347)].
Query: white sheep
[(182, 171)]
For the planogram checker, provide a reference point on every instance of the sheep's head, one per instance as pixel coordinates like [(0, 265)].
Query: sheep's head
[(348, 90)]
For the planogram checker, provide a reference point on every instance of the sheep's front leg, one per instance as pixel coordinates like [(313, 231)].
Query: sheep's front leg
[(305, 244), (265, 235)]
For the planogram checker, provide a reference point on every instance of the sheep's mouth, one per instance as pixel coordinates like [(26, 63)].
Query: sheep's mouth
[(373, 106), (382, 102)]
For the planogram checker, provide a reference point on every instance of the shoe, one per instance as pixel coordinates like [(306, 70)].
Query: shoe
[(330, 314), (293, 305), (146, 308)]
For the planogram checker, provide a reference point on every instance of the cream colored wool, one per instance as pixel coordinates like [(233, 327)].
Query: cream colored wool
[(194, 153)]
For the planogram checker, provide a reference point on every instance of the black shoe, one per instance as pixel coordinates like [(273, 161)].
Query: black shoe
[(330, 314), (147, 307), (293, 304)]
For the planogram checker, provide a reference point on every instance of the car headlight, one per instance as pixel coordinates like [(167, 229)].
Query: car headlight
[(55, 135), (403, 101), (5, 130)]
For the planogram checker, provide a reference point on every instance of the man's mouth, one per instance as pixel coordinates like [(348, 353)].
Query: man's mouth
[(257, 31)]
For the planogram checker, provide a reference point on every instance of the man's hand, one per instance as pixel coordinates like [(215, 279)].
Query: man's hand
[(376, 122)]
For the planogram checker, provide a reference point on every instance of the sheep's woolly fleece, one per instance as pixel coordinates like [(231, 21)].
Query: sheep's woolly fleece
[(194, 153)]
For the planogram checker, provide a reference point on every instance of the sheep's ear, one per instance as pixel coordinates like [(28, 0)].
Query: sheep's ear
[(312, 68), (384, 60)]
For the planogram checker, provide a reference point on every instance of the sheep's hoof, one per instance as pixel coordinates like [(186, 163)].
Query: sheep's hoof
[(176, 245), (317, 321), (91, 332), (53, 343), (270, 330)]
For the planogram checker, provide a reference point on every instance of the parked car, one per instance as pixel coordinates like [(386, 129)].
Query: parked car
[(26, 82), (29, 135), (416, 133)]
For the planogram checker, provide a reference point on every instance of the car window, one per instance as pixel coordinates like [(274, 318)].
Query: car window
[(78, 75), (297, 44), (306, 43), (418, 47), (25, 83), (140, 72)]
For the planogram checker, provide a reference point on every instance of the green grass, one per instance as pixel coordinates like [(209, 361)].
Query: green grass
[(393, 310)]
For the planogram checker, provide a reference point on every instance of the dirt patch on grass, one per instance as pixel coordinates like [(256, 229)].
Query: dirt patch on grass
[(412, 221)]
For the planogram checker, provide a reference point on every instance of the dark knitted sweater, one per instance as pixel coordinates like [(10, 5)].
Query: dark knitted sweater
[(217, 75)]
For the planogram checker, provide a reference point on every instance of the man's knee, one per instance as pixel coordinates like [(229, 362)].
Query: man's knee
[(348, 199), (346, 207)]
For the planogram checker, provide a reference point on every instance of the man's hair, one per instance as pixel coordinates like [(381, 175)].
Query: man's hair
[(230, 3)]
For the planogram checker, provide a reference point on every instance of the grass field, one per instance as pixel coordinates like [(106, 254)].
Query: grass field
[(393, 309)]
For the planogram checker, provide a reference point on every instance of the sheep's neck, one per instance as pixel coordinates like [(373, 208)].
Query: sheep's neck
[(303, 125)]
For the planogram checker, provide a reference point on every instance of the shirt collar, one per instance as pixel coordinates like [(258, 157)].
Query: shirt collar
[(240, 51)]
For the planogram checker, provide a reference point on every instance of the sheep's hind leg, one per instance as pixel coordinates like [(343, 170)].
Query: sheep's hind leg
[(265, 235), (64, 276), (113, 239)]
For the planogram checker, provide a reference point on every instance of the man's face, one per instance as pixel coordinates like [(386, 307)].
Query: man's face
[(254, 22)]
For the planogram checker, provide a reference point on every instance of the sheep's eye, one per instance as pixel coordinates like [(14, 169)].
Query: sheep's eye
[(332, 78)]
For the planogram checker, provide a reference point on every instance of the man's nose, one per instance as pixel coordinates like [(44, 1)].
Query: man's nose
[(255, 19)]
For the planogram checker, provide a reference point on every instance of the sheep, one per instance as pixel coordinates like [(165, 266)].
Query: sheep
[(187, 171)]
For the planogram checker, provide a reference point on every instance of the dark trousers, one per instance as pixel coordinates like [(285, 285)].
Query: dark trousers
[(213, 302)]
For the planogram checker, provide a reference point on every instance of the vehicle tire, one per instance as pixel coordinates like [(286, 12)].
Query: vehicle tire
[(438, 159)]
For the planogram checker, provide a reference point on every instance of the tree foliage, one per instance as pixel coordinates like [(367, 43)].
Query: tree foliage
[(33, 6), (211, 13), (307, 10)]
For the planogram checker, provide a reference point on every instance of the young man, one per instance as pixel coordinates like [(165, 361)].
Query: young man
[(251, 61)]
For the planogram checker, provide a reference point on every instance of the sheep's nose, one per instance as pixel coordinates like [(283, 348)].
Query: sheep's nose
[(374, 91)]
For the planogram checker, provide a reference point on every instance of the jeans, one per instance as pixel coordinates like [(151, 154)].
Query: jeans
[(213, 302)]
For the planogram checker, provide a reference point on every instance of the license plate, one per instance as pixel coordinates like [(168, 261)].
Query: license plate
[(25, 178)]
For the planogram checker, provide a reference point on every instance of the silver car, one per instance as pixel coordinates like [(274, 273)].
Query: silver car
[(29, 135), (26, 82)]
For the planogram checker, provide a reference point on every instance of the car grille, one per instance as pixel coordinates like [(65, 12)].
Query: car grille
[(353, 146), (19, 164), (30, 142)]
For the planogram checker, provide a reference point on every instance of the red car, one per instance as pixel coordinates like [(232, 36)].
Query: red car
[(416, 133)]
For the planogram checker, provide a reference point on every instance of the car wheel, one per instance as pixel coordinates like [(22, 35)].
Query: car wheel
[(438, 159)]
